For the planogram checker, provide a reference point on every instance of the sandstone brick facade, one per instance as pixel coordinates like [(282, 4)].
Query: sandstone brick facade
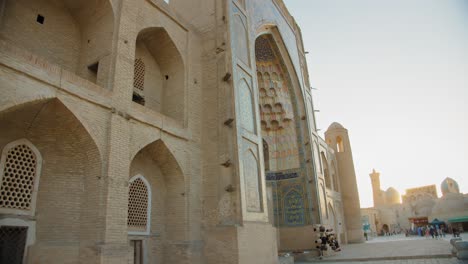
[(190, 128)]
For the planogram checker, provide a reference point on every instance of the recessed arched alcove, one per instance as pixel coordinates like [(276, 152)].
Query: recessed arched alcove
[(334, 176), (164, 181), (159, 74), (67, 174), (278, 105), (339, 144), (281, 107), (326, 170), (77, 35)]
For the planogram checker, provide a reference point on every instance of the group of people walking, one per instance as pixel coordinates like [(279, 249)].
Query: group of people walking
[(434, 232)]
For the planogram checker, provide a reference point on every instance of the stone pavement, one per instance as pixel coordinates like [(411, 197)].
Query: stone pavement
[(399, 261), (393, 249)]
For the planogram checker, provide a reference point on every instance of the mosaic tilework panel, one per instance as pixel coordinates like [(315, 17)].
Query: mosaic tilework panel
[(293, 208), (290, 205), (281, 175)]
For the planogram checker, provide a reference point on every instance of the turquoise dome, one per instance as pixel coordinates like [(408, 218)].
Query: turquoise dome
[(449, 185)]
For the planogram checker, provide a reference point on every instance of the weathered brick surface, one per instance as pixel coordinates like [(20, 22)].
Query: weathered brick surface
[(93, 138)]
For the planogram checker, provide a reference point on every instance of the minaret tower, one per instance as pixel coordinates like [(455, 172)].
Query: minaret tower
[(376, 191), (337, 137)]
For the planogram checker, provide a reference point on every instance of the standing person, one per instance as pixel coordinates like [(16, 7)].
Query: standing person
[(455, 232), (427, 232)]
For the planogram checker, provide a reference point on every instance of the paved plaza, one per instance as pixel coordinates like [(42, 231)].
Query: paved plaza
[(393, 249)]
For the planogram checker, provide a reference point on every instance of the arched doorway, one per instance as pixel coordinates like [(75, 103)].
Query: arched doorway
[(385, 229)]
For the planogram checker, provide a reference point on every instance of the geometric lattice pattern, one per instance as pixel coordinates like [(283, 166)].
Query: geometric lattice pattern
[(139, 77), (263, 51), (12, 243), (138, 205), (276, 97), (18, 178)]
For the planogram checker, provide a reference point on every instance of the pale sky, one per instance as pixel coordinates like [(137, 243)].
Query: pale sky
[(395, 74)]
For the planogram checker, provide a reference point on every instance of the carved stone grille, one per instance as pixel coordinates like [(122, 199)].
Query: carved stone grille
[(18, 178), (139, 79), (138, 206), (12, 243)]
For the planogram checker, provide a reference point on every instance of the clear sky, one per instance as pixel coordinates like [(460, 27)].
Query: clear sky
[(395, 74)]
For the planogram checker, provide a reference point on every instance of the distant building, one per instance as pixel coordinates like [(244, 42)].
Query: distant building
[(153, 131), (418, 207)]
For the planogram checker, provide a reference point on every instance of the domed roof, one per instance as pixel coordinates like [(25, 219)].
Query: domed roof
[(449, 185), (392, 196), (335, 125)]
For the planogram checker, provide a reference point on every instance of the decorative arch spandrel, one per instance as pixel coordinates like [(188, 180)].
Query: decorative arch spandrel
[(247, 106), (252, 184), (241, 41)]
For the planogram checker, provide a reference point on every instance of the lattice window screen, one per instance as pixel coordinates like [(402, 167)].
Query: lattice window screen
[(139, 78), (138, 206), (18, 178)]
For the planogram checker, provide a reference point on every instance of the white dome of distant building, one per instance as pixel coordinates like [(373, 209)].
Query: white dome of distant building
[(392, 196), (449, 185)]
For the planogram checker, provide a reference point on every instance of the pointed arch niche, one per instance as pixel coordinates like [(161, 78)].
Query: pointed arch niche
[(326, 170), (160, 201), (159, 73), (339, 144), (281, 105), (58, 173), (278, 106)]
